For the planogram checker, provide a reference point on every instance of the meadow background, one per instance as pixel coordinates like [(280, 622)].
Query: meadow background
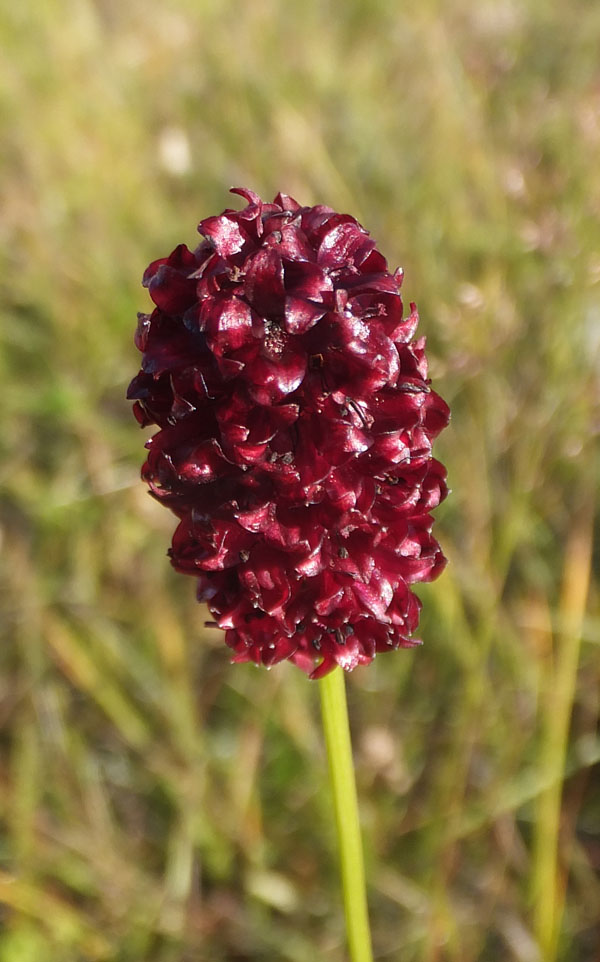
[(156, 803)]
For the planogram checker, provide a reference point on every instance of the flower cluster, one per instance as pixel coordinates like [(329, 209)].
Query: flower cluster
[(296, 423)]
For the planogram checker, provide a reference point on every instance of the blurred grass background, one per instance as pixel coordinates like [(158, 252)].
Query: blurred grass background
[(158, 804)]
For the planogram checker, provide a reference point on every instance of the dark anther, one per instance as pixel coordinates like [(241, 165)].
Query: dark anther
[(339, 637), (316, 644), (316, 361), (416, 388), (343, 552), (244, 555), (356, 407)]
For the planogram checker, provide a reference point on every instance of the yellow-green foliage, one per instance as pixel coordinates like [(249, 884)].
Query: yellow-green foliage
[(158, 804)]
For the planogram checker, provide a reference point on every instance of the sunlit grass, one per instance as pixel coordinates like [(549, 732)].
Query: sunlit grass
[(158, 803)]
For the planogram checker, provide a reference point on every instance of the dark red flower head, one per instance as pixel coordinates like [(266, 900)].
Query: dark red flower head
[(296, 423)]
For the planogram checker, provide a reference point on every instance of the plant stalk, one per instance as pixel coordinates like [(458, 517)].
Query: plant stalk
[(341, 769)]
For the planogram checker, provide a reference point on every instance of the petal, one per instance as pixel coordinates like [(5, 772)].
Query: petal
[(264, 282), (306, 280), (270, 381), (293, 245), (224, 233), (170, 346), (301, 315), (436, 414), (247, 194), (287, 203), (181, 260), (172, 291), (229, 324), (344, 242), (204, 462)]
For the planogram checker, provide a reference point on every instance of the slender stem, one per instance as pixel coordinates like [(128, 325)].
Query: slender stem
[(341, 768), (548, 887)]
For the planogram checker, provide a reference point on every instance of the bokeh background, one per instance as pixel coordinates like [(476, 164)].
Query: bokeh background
[(158, 804)]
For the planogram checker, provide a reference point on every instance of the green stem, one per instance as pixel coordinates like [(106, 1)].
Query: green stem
[(341, 768)]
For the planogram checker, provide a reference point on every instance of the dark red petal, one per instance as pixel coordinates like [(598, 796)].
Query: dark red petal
[(172, 291), (169, 345), (204, 462), (374, 262), (327, 665), (375, 596), (351, 654), (301, 315), (436, 414), (306, 280), (229, 324), (405, 329), (247, 194), (291, 243), (286, 202), (344, 242), (181, 260), (270, 381), (224, 233), (264, 282)]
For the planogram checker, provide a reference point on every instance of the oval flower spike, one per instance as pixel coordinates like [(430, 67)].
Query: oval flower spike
[(295, 422)]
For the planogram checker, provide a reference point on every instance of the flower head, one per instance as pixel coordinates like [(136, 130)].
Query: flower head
[(296, 422)]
